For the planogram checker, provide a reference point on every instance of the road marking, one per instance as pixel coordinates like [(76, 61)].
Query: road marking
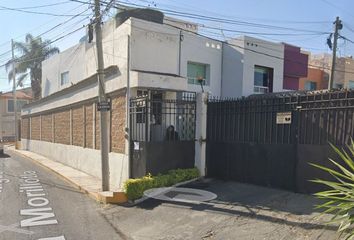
[(3, 181), (179, 194), (40, 214), (13, 228), (53, 238)]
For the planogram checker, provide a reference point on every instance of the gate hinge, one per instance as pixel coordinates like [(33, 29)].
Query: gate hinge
[(201, 140)]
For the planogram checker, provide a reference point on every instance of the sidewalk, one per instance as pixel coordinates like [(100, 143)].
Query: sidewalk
[(86, 183), (241, 212)]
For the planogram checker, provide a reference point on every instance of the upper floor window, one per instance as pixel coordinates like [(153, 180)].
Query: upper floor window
[(263, 79), (64, 78), (10, 105), (197, 72), (310, 85)]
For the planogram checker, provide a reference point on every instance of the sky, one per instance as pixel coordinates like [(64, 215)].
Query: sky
[(304, 23)]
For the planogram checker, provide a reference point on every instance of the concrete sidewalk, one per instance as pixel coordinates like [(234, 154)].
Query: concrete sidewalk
[(84, 182), (241, 212)]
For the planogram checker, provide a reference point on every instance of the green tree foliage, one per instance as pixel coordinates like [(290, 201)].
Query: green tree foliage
[(29, 64)]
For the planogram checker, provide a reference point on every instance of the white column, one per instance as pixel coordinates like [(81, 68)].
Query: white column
[(200, 132)]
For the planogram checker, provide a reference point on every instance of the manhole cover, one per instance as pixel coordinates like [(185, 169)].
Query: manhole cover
[(179, 194)]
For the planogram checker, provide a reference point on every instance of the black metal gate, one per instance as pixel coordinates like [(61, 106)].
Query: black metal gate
[(162, 133), (270, 139)]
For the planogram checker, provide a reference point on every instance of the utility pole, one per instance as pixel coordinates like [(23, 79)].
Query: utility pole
[(14, 90), (102, 99), (337, 26)]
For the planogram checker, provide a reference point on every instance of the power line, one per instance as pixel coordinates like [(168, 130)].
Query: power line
[(262, 53), (4, 43), (261, 33), (40, 6), (51, 42), (210, 18), (207, 12), (349, 13), (347, 39), (35, 12), (221, 20), (56, 26)]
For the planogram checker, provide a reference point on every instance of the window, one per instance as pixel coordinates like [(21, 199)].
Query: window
[(197, 71), (10, 105), (351, 84), (339, 85), (140, 109), (64, 78), (156, 106), (310, 85), (263, 79)]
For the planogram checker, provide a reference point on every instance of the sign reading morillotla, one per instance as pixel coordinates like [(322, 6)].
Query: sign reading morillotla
[(284, 118), (103, 106)]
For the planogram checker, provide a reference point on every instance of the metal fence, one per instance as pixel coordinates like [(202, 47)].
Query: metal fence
[(250, 120), (248, 139), (316, 118), (156, 120)]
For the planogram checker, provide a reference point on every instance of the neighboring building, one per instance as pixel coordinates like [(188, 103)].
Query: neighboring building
[(295, 66), (252, 65), (7, 115), (165, 63), (344, 74), (316, 79), (168, 62)]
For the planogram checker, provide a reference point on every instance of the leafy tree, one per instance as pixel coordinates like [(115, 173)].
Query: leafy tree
[(32, 52)]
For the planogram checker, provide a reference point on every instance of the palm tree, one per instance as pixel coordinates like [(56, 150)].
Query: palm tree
[(33, 51)]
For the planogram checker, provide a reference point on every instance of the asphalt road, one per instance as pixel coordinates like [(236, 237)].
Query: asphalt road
[(37, 204)]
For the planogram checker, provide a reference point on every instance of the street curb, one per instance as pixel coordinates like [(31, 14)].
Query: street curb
[(94, 196), (144, 198)]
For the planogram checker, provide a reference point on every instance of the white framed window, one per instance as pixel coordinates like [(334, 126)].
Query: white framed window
[(197, 72), (10, 105), (64, 78)]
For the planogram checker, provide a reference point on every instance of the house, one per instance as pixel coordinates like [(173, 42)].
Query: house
[(154, 66), (253, 66), (316, 79), (295, 66), (166, 63), (344, 69), (7, 115)]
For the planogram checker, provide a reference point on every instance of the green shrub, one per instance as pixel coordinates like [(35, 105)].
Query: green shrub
[(339, 199), (134, 188)]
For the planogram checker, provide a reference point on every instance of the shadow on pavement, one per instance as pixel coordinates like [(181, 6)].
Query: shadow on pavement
[(250, 201), (4, 155)]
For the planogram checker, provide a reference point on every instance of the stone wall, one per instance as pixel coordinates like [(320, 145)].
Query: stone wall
[(47, 130), (62, 127), (78, 125), (25, 128), (35, 128)]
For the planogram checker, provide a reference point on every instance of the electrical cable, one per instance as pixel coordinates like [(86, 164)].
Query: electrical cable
[(40, 6), (34, 12)]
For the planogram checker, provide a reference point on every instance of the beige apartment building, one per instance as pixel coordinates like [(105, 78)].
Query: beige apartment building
[(344, 74), (7, 115)]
